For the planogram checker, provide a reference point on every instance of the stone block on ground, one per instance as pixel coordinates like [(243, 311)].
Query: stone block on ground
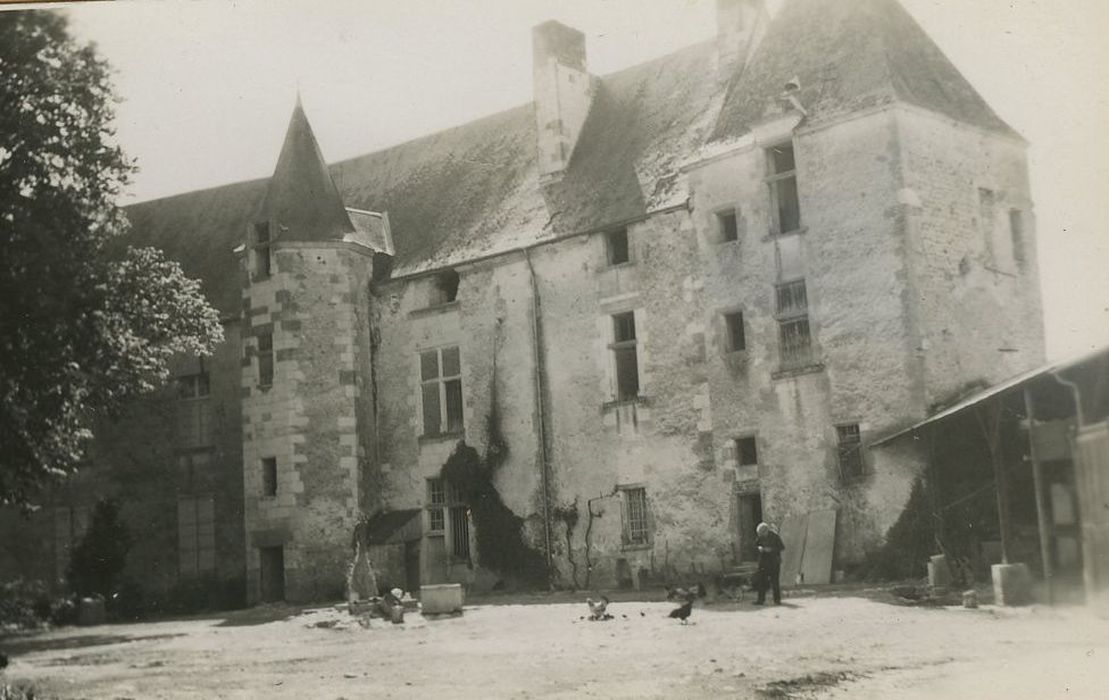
[(1012, 584), (939, 572), (90, 611), (441, 599)]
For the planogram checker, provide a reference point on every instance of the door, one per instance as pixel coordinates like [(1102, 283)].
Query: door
[(750, 515), (272, 587)]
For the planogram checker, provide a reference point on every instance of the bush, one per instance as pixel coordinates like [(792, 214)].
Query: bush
[(909, 542), (24, 604), (102, 553)]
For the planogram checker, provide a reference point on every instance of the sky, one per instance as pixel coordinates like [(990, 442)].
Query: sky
[(207, 89)]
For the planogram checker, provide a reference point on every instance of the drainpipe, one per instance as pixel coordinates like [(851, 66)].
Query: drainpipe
[(541, 431), (1077, 398)]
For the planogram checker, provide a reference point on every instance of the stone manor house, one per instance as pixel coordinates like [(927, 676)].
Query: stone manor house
[(683, 297)]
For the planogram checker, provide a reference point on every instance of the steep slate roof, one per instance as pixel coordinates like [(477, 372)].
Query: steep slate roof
[(474, 190), (849, 55), (301, 199)]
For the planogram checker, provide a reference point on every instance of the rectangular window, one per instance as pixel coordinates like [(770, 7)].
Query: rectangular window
[(794, 338), (849, 447), (194, 410), (265, 359), (262, 251), (626, 356), (449, 515), (727, 223), (746, 451), (636, 519), (196, 536), (269, 476), (444, 288), (436, 499), (782, 179), (616, 247), (441, 391), (1016, 235), (192, 467), (736, 339)]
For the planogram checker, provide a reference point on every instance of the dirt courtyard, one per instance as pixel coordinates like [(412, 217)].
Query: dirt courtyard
[(821, 647)]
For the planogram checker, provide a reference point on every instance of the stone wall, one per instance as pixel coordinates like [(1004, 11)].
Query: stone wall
[(977, 306), (308, 419)]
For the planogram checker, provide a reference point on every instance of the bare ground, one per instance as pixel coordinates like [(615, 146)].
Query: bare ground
[(824, 647)]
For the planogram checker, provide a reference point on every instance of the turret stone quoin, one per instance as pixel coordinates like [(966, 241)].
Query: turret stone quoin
[(671, 300)]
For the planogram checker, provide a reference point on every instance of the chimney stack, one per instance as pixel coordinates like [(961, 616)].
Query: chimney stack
[(740, 25), (563, 94)]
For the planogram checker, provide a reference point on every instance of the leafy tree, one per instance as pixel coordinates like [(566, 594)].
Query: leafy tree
[(86, 322), (100, 557)]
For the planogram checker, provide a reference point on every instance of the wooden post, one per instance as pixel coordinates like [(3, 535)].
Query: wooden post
[(1038, 479), (991, 428)]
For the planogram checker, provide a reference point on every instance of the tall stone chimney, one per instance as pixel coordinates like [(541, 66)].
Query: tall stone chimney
[(740, 25), (563, 94)]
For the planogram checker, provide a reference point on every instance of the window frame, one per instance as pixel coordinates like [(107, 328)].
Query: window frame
[(445, 398), (850, 461), (722, 229), (738, 444), (619, 348), (610, 249), (635, 516), (773, 180), (261, 248), (265, 355), (794, 314), (194, 406), (448, 516), (199, 570), (733, 321), (269, 467)]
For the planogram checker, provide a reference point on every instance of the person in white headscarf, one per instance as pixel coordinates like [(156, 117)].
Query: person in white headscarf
[(770, 563)]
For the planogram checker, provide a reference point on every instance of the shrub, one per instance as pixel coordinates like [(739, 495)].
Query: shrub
[(98, 560), (24, 604)]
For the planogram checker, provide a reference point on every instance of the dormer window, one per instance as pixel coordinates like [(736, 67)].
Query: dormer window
[(261, 249), (444, 288), (616, 247)]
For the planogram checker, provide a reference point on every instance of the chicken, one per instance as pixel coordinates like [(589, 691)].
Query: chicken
[(678, 593), (597, 608), (682, 613)]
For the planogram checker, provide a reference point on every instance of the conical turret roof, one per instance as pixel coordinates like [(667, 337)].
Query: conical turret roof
[(302, 200)]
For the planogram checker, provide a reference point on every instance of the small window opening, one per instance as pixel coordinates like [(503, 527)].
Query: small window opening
[(746, 451), (736, 339), (269, 476), (794, 337), (616, 247), (1016, 234), (849, 447), (444, 288), (265, 359), (625, 354), (728, 224), (262, 250)]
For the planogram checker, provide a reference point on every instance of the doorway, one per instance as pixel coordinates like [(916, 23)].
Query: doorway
[(412, 565), (272, 587), (750, 515)]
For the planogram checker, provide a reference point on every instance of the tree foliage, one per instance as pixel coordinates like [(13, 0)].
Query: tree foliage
[(86, 322)]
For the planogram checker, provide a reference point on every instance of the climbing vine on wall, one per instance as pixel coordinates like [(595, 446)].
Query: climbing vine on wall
[(568, 515), (500, 532)]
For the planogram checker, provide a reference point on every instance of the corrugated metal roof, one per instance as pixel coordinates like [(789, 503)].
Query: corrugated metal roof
[(998, 389)]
